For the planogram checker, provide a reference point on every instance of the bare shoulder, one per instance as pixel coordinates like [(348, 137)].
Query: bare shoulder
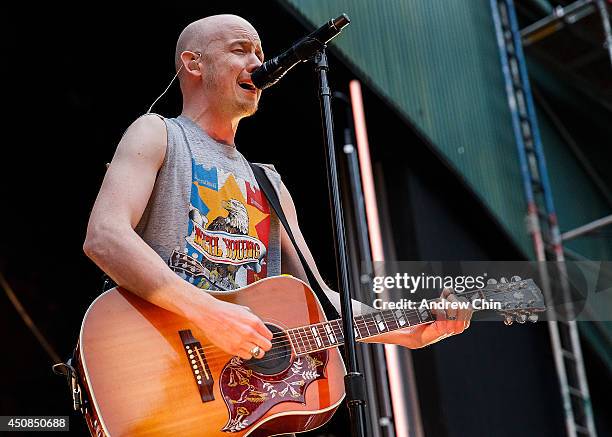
[(130, 178), (145, 139)]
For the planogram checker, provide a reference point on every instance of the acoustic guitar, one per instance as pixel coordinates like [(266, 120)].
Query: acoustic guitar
[(149, 372)]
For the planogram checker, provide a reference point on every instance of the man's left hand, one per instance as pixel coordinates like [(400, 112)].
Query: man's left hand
[(448, 322)]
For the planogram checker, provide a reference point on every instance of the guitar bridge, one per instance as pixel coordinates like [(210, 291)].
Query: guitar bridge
[(198, 365)]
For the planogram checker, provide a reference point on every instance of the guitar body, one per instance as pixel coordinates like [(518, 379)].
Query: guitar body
[(139, 366)]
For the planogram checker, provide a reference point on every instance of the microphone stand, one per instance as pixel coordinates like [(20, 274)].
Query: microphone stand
[(354, 383)]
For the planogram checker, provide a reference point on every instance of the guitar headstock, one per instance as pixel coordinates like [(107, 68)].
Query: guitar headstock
[(516, 300)]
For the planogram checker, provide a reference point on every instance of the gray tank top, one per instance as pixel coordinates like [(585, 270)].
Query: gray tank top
[(207, 217)]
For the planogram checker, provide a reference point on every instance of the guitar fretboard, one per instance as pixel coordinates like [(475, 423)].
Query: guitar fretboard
[(325, 335)]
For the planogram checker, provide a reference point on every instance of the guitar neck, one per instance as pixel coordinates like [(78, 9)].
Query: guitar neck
[(325, 335), (520, 298)]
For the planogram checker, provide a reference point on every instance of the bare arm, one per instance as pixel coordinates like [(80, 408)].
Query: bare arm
[(291, 261), (111, 241), (115, 247), (413, 338)]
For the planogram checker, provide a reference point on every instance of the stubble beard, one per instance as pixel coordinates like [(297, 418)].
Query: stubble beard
[(242, 108), (248, 108)]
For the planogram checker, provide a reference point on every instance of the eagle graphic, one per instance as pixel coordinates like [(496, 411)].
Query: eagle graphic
[(236, 222)]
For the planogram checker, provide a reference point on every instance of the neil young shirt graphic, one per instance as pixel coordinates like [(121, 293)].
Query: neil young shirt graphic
[(227, 233)]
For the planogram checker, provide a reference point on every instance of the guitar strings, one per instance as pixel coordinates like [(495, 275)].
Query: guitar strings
[(388, 315), (279, 345), (310, 337), (283, 338), (272, 354)]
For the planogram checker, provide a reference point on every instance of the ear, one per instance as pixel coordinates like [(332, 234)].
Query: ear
[(191, 63)]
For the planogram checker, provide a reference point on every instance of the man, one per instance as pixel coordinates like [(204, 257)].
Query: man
[(178, 193)]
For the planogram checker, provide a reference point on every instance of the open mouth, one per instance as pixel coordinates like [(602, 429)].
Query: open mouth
[(247, 86)]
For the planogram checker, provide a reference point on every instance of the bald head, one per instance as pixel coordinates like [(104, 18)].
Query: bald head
[(217, 83), (198, 35)]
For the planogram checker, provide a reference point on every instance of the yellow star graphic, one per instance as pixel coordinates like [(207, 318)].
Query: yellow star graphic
[(213, 199)]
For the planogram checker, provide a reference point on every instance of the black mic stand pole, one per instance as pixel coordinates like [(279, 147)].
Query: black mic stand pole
[(353, 381)]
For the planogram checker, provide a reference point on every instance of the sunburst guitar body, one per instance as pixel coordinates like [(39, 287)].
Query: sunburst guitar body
[(149, 372)]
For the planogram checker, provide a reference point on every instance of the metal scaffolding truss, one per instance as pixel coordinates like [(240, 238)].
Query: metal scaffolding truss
[(563, 17), (576, 42), (543, 225), (589, 228), (578, 18)]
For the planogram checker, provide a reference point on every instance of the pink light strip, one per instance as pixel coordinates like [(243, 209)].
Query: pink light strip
[(394, 373)]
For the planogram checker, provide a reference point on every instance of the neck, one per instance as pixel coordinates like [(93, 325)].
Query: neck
[(220, 127), (329, 334)]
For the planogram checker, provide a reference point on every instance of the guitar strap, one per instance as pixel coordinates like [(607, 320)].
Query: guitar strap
[(266, 186)]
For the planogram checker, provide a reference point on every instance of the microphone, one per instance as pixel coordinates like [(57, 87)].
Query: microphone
[(273, 70)]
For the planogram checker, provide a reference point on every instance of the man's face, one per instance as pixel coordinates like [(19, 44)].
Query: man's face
[(229, 60)]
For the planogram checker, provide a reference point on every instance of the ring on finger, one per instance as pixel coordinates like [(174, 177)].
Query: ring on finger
[(255, 351)]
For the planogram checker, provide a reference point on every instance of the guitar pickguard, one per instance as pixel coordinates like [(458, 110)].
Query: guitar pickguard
[(248, 395)]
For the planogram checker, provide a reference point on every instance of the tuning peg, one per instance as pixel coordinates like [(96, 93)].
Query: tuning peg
[(533, 317), (503, 280), (515, 279), (508, 320), (491, 281), (521, 318)]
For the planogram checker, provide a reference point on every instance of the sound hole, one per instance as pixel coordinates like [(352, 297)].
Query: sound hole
[(276, 359)]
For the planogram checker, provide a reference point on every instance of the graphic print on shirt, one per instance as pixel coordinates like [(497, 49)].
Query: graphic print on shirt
[(228, 229)]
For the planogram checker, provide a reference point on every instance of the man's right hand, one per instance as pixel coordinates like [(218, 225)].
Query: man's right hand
[(233, 328)]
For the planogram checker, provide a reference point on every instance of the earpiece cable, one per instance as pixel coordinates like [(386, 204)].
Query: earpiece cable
[(166, 90)]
